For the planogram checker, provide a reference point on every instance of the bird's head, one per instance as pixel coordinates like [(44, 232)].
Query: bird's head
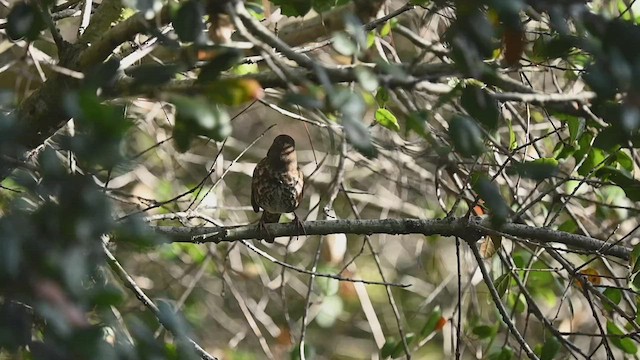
[(283, 149)]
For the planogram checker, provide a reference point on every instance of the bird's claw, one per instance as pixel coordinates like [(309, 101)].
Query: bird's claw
[(264, 232)]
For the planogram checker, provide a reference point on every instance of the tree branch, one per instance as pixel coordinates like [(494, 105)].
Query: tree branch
[(467, 229)]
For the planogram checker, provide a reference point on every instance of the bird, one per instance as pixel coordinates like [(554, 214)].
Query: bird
[(277, 184)]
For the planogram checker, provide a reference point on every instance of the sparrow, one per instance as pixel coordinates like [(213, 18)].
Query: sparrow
[(277, 183)]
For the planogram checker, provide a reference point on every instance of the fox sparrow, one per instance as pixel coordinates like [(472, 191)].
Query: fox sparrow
[(277, 183)]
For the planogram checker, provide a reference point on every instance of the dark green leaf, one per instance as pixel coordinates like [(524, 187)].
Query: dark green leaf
[(481, 106), (624, 160), (584, 145), (613, 294), (310, 352), (576, 127), (293, 7), (502, 284), (417, 122), (550, 349), (538, 169), (152, 74), (609, 138), (548, 47), (635, 259), (195, 116), (625, 180), (490, 193), (187, 21), (484, 331), (24, 21), (382, 96), (506, 353), (352, 107), (223, 60), (595, 159), (466, 136), (623, 343), (432, 322)]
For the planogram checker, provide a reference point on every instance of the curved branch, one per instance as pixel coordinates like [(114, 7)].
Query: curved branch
[(468, 229)]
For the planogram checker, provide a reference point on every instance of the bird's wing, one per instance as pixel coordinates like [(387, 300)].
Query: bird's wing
[(301, 192), (254, 183)]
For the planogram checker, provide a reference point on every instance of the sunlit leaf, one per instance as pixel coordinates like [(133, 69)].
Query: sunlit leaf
[(385, 118)]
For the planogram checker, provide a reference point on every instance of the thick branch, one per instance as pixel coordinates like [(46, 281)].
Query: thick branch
[(468, 229)]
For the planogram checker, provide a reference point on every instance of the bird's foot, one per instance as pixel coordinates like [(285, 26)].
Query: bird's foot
[(299, 224), (264, 232)]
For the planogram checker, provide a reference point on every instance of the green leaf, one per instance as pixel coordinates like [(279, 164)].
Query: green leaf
[(490, 193), (385, 118), (538, 169), (635, 259), (484, 331), (624, 180), (432, 322), (576, 127), (188, 23), (506, 353), (481, 106), (152, 74), (382, 96), (595, 159), (517, 303), (609, 138), (327, 286), (466, 136), (513, 142), (624, 160), (223, 60), (367, 79), (550, 349), (352, 107), (388, 348), (293, 7), (417, 122), (548, 47), (394, 348), (502, 284), (613, 294), (584, 145), (330, 309), (623, 343), (343, 44), (310, 353), (195, 116)]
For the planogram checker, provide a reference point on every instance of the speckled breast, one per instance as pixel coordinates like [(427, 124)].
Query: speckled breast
[(280, 193)]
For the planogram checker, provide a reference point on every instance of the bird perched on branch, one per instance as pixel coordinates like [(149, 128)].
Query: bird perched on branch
[(277, 183)]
